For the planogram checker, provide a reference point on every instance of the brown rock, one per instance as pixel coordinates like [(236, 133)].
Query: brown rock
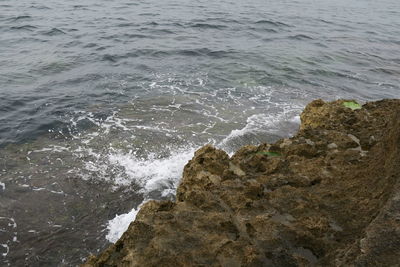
[(329, 196)]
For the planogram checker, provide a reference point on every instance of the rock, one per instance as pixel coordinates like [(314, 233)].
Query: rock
[(332, 146), (329, 197)]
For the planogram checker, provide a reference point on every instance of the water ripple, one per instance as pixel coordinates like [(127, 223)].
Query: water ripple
[(19, 18), (102, 80), (24, 27), (272, 23), (54, 32)]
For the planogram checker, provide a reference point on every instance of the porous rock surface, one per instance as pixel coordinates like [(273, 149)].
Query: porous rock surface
[(329, 196)]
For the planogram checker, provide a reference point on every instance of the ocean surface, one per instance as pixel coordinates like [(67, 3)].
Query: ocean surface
[(102, 103)]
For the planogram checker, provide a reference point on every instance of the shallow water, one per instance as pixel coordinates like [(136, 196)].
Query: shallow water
[(103, 102)]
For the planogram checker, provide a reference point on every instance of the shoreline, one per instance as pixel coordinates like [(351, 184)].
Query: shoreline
[(326, 196)]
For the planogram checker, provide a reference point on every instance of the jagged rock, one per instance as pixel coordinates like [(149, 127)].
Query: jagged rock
[(329, 196)]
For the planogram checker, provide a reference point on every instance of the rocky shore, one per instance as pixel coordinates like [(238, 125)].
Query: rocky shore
[(329, 196)]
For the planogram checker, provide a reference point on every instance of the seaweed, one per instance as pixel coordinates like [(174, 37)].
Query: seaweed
[(352, 104)]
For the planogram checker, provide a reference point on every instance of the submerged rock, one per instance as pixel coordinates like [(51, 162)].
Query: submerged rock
[(329, 196)]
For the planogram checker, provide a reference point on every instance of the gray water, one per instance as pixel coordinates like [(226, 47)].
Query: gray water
[(103, 102)]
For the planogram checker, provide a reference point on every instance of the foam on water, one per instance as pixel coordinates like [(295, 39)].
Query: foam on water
[(142, 147), (10, 228), (261, 123), (140, 107), (7, 250), (281, 122), (164, 173), (117, 226), (155, 166), (153, 172)]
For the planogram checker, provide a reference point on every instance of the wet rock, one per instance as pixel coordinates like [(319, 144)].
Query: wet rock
[(329, 196)]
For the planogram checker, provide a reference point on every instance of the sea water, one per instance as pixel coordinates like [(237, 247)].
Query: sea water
[(102, 103)]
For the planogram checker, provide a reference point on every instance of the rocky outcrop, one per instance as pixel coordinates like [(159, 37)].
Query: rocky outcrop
[(328, 196)]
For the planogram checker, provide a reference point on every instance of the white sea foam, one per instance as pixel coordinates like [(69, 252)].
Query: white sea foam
[(7, 250), (157, 173), (262, 123), (51, 149), (13, 223), (117, 226), (152, 174), (152, 171)]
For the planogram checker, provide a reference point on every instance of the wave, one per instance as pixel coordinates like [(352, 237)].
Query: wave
[(264, 30), (159, 177), (260, 126), (208, 26), (301, 37), (200, 52), (386, 71), (24, 27), (117, 226), (273, 23), (54, 32), (19, 18)]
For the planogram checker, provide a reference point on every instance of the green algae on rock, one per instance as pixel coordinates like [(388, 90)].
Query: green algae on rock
[(331, 199), (352, 105)]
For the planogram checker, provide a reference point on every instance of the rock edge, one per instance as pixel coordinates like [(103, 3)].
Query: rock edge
[(329, 196)]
